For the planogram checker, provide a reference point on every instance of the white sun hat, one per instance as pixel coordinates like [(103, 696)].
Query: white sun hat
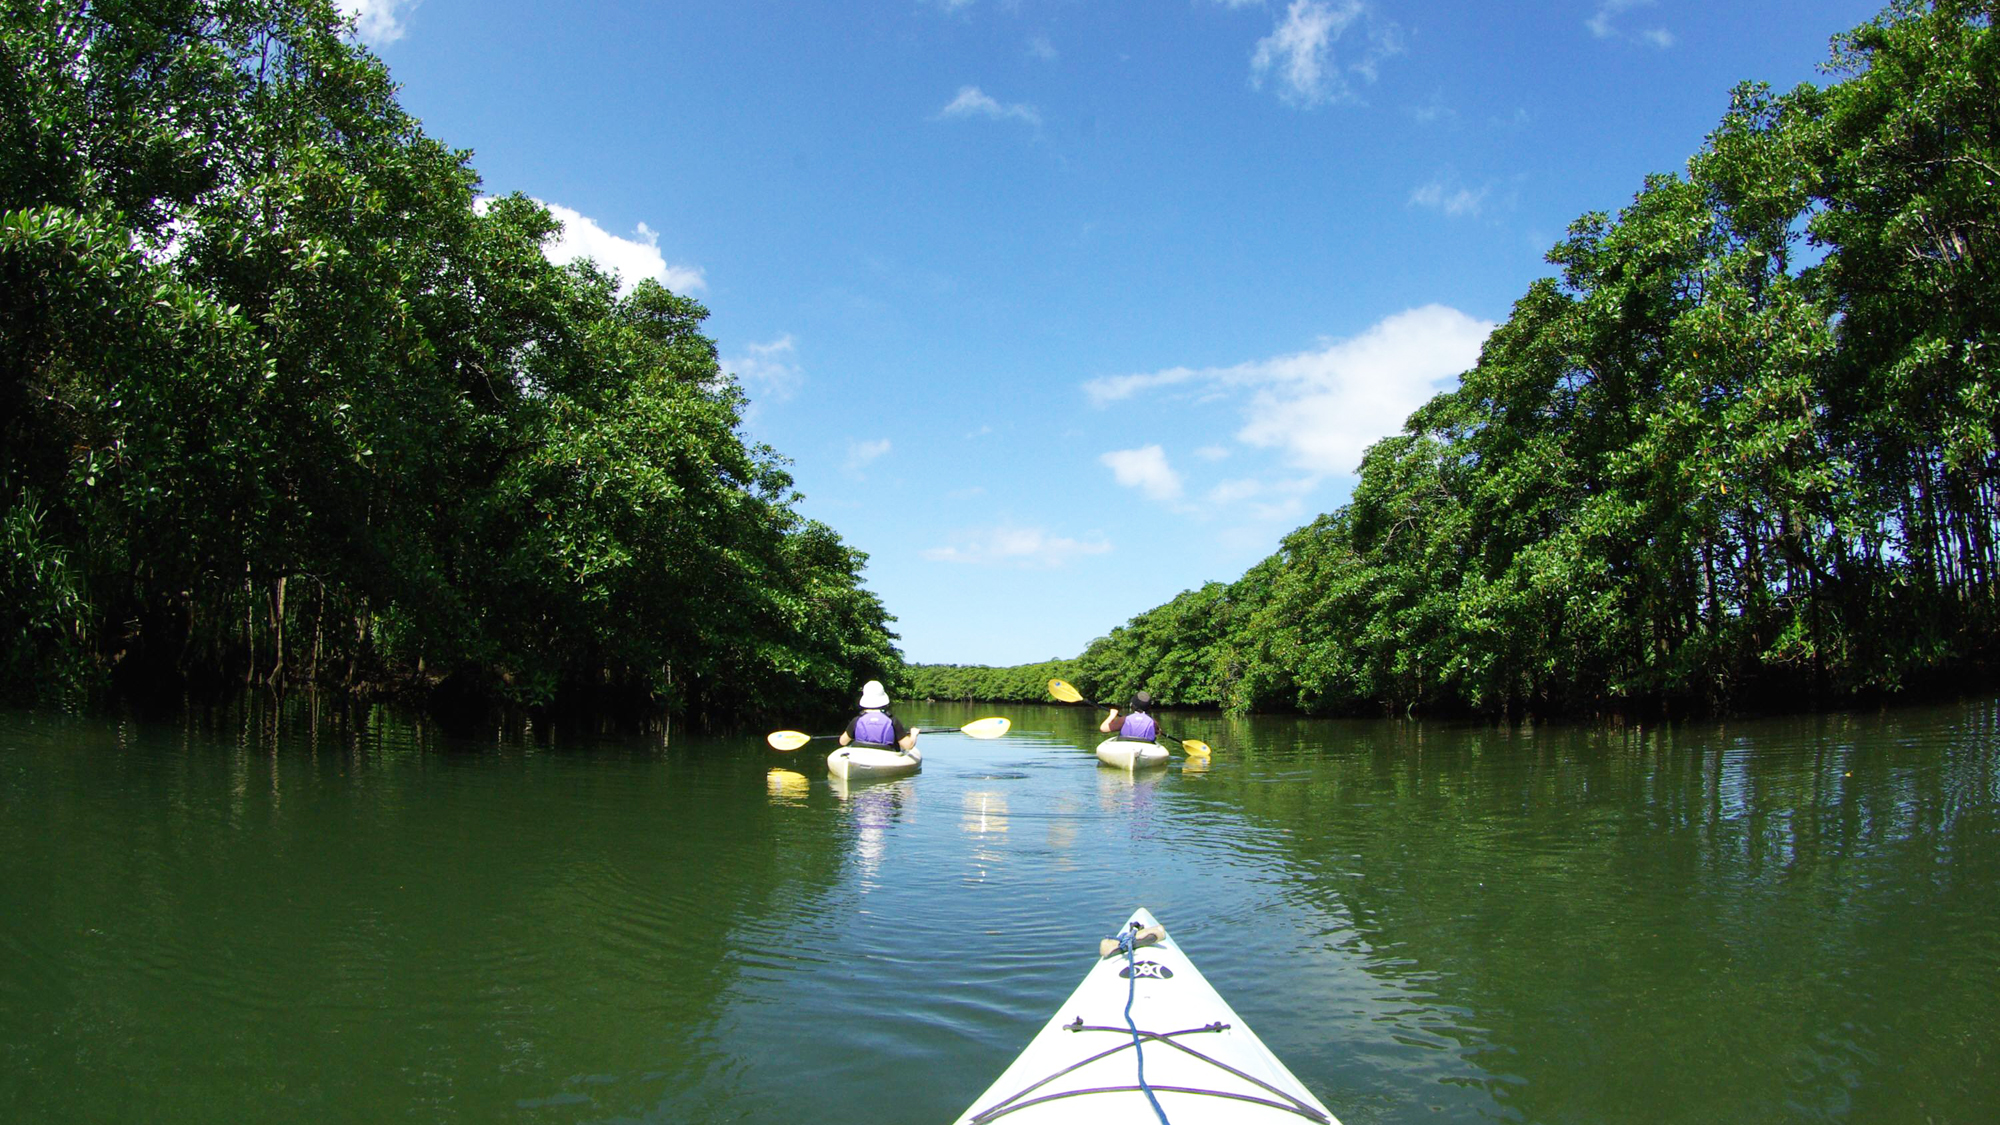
[(872, 694)]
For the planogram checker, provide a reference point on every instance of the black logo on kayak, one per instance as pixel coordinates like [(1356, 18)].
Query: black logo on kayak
[(1148, 970)]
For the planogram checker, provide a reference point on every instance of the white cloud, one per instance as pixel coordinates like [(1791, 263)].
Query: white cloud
[(1255, 501), (862, 453), (1024, 547), (376, 21), (972, 102), (1040, 47), (1454, 202), (1145, 469), (1212, 453), (1233, 492), (1299, 51), (1384, 39), (632, 259), (768, 369), (1434, 110), (1322, 408), (1603, 24), (1112, 388)]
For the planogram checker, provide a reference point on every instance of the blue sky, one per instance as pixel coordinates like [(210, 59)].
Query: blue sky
[(1061, 307)]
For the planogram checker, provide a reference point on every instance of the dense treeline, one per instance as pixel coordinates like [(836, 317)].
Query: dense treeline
[(1742, 449), (971, 683), (285, 401)]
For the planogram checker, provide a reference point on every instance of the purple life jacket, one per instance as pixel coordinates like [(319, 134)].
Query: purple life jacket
[(1139, 727), (874, 728)]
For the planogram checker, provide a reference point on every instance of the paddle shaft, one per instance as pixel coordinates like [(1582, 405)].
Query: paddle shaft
[(1062, 690), (1187, 744), (785, 740), (1164, 733)]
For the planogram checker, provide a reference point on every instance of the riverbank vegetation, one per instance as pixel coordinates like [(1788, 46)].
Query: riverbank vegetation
[(1743, 448), (285, 400)]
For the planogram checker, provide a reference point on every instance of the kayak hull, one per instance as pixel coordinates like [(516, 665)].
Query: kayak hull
[(859, 763), (1202, 1063), (1131, 755)]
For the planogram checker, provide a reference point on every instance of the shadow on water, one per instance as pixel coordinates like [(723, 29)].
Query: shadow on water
[(1752, 921), (286, 912)]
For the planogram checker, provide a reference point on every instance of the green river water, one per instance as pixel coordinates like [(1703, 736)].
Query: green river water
[(271, 916)]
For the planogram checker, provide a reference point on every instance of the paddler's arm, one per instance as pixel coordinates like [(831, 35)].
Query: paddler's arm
[(1110, 722)]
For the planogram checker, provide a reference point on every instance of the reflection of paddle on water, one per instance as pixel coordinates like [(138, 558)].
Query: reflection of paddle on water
[(787, 787)]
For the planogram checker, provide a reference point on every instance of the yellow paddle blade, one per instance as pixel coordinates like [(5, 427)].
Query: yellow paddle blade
[(1195, 746), (787, 739), (987, 728), (1064, 692)]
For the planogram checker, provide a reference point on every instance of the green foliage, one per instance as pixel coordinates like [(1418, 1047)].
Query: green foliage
[(283, 402), (979, 683), (1745, 447), (40, 655)]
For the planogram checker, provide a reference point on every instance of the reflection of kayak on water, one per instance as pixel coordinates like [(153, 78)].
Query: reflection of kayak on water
[(1131, 755), (1183, 1050), (859, 763)]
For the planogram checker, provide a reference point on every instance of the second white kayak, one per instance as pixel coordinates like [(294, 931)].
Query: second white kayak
[(1131, 755), (857, 763), (1199, 1062)]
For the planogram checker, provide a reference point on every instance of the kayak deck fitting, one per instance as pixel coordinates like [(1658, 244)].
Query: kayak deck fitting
[(1146, 1038)]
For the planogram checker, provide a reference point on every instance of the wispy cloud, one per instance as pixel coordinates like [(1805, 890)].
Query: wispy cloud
[(768, 370), (632, 259), (1453, 201), (1298, 58), (1028, 548), (1322, 408), (1604, 24), (1041, 47), (376, 22), (1112, 388), (861, 454), (1145, 469), (973, 102), (1434, 111), (1212, 453), (1256, 501), (1299, 51)]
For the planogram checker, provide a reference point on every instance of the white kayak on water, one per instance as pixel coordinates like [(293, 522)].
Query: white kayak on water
[(858, 763), (1131, 755), (1199, 1061)]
